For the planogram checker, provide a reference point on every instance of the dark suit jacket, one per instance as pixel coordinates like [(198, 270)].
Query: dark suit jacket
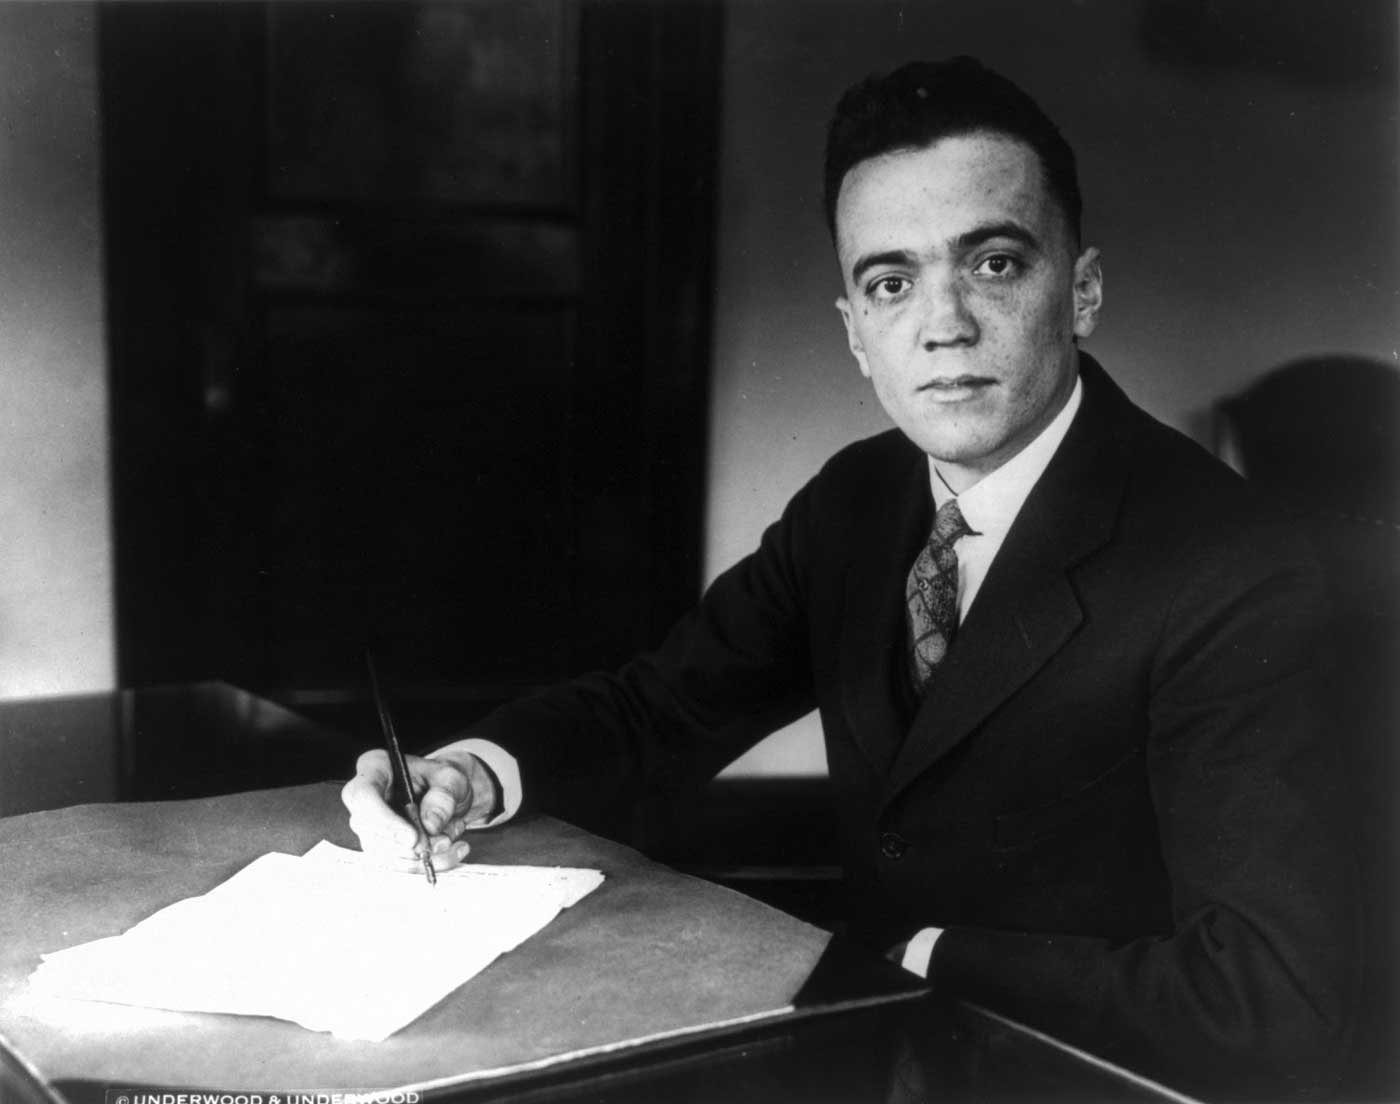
[(1117, 796)]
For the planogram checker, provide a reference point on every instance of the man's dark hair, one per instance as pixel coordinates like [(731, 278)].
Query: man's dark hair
[(925, 101)]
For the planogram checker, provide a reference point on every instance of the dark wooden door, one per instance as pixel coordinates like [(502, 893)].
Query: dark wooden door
[(408, 307)]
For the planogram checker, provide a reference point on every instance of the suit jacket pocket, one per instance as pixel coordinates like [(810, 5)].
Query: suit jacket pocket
[(1107, 791)]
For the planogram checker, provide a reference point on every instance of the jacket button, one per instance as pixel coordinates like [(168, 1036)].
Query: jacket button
[(893, 845)]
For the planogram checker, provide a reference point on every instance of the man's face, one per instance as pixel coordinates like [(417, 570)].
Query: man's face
[(963, 296)]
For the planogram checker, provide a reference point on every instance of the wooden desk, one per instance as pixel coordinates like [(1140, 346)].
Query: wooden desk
[(158, 743), (752, 1004)]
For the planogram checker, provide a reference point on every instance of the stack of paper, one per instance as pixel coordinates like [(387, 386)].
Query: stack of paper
[(329, 940)]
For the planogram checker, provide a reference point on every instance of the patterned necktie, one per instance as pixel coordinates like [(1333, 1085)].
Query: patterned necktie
[(931, 595)]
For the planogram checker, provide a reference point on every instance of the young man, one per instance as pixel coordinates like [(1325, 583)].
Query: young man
[(1062, 658)]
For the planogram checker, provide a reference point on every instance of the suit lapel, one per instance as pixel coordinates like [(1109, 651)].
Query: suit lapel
[(1026, 609), (873, 611)]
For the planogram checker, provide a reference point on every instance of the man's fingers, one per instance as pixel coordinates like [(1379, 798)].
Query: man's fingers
[(447, 797), (379, 827), (445, 855), (447, 794), (448, 853), (394, 837)]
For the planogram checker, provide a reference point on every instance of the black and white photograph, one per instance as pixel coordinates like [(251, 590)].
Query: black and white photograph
[(746, 551)]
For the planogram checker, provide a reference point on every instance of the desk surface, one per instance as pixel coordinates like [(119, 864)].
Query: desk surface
[(651, 952)]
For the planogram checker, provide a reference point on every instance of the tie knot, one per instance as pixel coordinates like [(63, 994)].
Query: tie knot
[(949, 523)]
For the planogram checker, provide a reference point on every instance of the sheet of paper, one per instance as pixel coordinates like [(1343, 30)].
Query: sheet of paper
[(329, 940), (570, 883)]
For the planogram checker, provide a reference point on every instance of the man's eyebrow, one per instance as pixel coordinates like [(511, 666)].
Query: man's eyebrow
[(979, 235), (874, 260)]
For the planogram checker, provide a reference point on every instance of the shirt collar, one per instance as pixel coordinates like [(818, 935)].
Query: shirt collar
[(991, 504)]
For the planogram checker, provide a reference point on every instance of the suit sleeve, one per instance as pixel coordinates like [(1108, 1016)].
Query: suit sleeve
[(1253, 990), (613, 751)]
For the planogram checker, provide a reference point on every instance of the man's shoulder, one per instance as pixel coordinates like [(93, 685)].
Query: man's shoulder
[(1181, 501), (890, 449), (1166, 469), (867, 472), (1185, 480)]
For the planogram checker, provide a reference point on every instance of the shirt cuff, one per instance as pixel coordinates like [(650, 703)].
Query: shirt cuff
[(919, 951), (502, 764)]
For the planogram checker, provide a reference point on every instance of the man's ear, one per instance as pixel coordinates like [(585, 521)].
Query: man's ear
[(1088, 292), (857, 349)]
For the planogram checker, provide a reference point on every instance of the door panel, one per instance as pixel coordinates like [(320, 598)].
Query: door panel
[(408, 306)]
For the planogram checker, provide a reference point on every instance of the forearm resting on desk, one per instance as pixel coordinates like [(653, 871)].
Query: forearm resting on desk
[(914, 956)]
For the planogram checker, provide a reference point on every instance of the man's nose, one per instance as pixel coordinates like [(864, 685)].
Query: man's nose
[(946, 318)]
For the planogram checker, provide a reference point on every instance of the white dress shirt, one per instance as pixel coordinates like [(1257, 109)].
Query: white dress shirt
[(989, 506)]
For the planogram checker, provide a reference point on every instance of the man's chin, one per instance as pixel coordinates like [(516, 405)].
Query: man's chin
[(962, 450)]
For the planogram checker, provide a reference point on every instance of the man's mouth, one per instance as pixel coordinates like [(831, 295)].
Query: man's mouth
[(956, 388)]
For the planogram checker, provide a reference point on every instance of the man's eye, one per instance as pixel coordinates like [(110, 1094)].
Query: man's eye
[(999, 265), (889, 287)]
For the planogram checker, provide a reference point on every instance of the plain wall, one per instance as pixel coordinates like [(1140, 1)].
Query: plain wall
[(1239, 175), (56, 622)]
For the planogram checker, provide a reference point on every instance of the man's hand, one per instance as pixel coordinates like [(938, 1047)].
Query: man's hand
[(458, 793)]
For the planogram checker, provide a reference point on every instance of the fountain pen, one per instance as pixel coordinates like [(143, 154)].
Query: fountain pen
[(401, 796)]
